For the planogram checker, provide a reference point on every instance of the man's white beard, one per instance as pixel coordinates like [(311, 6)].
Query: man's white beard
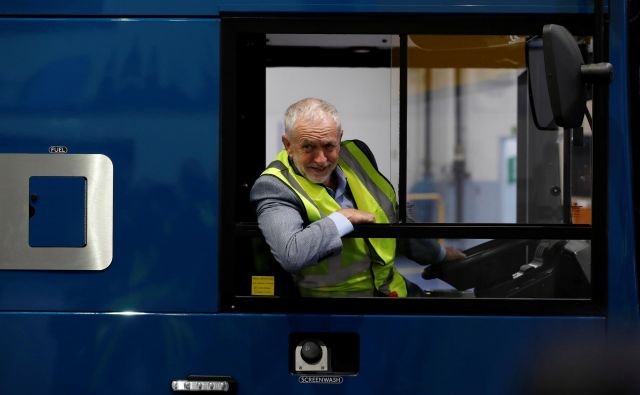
[(313, 178), (317, 179)]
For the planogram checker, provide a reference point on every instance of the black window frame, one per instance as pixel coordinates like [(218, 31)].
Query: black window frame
[(241, 113)]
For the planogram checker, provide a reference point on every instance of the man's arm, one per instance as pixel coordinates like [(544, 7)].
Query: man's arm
[(427, 251), (281, 219)]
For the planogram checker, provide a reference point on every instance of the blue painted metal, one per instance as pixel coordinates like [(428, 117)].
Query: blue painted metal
[(623, 295), (145, 94), (215, 7), (110, 8), (141, 354), (432, 6)]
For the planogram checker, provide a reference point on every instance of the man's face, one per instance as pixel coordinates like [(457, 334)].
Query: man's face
[(314, 148)]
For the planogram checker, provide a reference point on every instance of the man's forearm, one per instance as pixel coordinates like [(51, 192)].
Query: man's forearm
[(294, 245)]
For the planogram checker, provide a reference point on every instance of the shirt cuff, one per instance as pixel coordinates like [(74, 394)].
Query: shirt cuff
[(342, 223), (442, 254)]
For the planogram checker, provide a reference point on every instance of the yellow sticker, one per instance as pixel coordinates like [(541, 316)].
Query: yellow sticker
[(262, 285)]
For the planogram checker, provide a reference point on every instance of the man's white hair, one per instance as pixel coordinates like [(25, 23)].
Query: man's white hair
[(309, 109)]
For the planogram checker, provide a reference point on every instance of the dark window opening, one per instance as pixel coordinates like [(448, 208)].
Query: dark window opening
[(537, 220)]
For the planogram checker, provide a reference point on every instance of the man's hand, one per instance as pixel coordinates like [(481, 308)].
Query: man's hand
[(357, 216), (452, 254)]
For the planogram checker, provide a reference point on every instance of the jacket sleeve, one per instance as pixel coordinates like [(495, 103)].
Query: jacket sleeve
[(282, 220), (422, 251)]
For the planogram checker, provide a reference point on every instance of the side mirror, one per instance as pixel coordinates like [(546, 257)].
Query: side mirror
[(538, 91), (566, 77)]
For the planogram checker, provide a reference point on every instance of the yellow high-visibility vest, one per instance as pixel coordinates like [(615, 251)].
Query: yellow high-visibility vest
[(363, 263)]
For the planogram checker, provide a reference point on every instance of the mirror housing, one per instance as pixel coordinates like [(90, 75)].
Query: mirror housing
[(540, 105), (567, 76), (562, 62)]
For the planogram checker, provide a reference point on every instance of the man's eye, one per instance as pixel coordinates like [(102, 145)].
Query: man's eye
[(329, 147)]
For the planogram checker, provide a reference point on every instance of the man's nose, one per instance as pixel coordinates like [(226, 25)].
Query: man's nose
[(320, 157)]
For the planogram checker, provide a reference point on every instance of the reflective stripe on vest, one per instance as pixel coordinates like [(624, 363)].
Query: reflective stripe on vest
[(350, 272), (295, 185), (386, 199), (373, 192)]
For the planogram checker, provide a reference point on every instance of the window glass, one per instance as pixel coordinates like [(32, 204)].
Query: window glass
[(520, 268), (473, 156), (474, 153)]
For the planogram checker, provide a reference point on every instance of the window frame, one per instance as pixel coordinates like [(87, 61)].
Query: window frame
[(247, 112)]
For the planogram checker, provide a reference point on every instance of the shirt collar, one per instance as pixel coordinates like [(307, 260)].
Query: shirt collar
[(342, 183)]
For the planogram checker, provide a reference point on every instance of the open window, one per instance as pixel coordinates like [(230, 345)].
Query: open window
[(445, 109)]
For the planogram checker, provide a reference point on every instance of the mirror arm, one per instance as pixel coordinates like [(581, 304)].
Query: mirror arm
[(597, 73)]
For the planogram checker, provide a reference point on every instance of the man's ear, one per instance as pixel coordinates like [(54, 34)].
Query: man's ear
[(287, 143)]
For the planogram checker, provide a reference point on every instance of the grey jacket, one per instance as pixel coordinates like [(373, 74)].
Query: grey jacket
[(294, 243)]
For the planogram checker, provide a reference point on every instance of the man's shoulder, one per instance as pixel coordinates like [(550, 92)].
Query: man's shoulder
[(362, 146), (270, 193), (271, 187)]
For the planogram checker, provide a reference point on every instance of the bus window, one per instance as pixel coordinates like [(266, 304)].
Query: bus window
[(448, 120)]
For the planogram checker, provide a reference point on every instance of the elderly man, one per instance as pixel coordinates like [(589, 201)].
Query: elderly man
[(313, 193)]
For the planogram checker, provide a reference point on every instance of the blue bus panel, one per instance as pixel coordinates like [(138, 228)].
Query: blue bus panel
[(176, 8), (139, 83), (144, 93), (143, 354)]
